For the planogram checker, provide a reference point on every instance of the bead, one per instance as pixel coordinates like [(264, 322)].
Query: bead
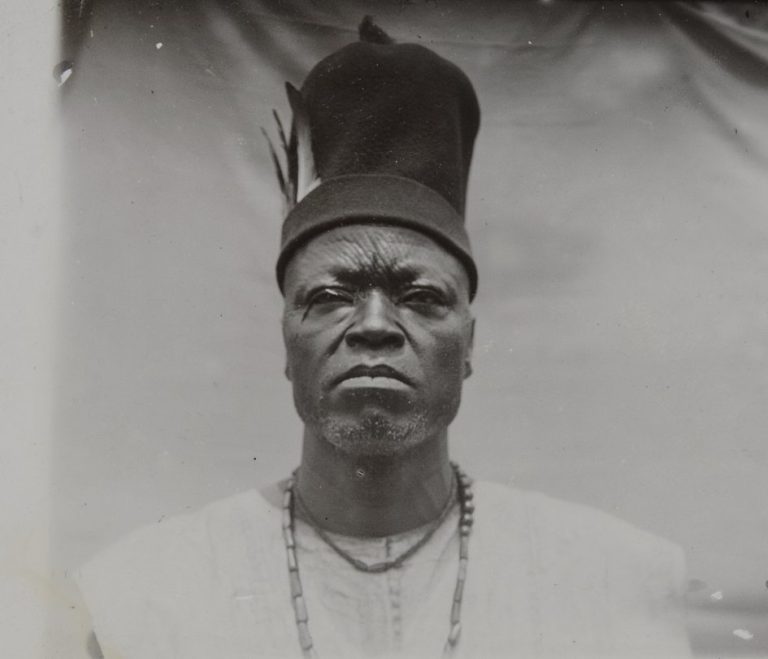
[(453, 636), (467, 519), (300, 607), (290, 543), (463, 563), (304, 638), (293, 576), (468, 507), (287, 519), (459, 592), (468, 495), (455, 612), (293, 565)]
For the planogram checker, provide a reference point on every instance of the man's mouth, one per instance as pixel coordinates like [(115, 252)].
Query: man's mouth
[(376, 375)]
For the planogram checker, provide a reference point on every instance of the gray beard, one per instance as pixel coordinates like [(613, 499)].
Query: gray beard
[(375, 434)]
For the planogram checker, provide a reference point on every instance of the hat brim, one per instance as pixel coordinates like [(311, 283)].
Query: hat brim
[(376, 199)]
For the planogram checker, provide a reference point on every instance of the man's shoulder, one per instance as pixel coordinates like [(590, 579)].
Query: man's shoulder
[(250, 503), (549, 520), (187, 542), (203, 567), (568, 547), (603, 580)]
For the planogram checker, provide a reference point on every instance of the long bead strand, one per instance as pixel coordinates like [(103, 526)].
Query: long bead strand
[(297, 594), (466, 520)]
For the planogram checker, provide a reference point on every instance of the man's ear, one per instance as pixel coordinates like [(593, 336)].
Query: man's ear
[(287, 368), (470, 347)]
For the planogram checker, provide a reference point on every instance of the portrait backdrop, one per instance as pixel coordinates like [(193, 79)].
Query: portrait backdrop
[(618, 214)]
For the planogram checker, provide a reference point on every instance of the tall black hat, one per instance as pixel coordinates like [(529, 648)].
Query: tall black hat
[(381, 133)]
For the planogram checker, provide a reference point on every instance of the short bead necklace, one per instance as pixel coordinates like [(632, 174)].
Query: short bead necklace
[(383, 566), (463, 492)]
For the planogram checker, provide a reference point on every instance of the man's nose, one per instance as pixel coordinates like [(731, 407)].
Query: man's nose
[(375, 324)]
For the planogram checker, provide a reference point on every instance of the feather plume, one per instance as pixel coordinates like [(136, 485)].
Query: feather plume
[(289, 189), (280, 131), (291, 163), (276, 163), (300, 144), (298, 176)]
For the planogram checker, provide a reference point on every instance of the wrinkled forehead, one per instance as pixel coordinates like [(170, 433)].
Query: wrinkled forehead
[(366, 254)]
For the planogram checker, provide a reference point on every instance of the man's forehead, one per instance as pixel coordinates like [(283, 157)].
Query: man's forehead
[(376, 237), (348, 249), (365, 254)]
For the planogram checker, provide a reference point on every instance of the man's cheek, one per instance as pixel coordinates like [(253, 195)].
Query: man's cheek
[(450, 357), (299, 347), (306, 369), (302, 369)]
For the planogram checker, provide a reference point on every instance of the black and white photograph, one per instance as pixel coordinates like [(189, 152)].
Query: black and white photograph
[(397, 329)]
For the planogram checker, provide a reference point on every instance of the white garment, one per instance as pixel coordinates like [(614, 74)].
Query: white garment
[(546, 579)]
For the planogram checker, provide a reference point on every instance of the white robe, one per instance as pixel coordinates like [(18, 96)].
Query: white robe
[(546, 579)]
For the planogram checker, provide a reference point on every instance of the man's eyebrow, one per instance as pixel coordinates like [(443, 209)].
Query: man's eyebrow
[(376, 273), (370, 272), (389, 276)]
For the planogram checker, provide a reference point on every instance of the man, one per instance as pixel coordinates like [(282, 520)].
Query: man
[(378, 545)]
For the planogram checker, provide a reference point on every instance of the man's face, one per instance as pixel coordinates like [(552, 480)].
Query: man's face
[(378, 335)]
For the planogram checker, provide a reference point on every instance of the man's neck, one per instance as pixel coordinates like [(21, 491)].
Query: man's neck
[(376, 496)]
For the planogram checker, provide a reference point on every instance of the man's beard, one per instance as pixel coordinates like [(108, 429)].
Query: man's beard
[(374, 433)]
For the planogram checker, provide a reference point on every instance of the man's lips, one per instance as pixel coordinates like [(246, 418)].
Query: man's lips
[(375, 371)]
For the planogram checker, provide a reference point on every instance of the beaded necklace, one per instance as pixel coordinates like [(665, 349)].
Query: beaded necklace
[(383, 566), (463, 492)]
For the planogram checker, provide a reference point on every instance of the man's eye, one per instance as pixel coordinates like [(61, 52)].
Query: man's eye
[(329, 296), (423, 296)]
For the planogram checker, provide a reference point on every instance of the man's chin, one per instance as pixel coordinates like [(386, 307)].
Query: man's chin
[(374, 433), (360, 400)]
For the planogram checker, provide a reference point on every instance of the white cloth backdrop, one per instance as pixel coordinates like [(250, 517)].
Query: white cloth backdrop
[(618, 210)]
